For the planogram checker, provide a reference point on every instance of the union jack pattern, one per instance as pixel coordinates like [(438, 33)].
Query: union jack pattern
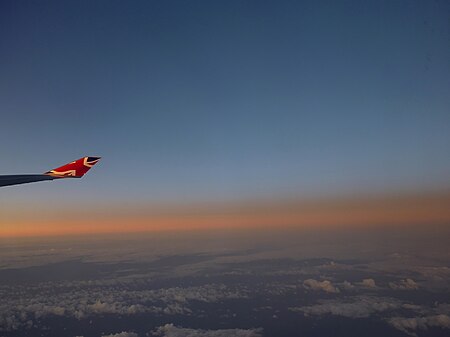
[(75, 169)]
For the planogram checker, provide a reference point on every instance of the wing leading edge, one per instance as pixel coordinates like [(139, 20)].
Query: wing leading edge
[(75, 169)]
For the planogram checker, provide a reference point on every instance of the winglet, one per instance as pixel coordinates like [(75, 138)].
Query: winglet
[(75, 169)]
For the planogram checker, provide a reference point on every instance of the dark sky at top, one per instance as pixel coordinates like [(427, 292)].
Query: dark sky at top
[(227, 99)]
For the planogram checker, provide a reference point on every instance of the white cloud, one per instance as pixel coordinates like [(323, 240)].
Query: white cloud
[(368, 283), (169, 330), (122, 334), (411, 325), (325, 286), (407, 284), (84, 301), (347, 285)]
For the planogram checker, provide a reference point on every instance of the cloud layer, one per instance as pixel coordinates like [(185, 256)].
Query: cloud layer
[(170, 330)]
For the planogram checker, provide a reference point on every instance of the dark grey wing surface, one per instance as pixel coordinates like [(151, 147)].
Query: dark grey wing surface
[(23, 179)]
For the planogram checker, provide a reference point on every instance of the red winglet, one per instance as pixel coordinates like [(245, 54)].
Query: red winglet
[(75, 169)]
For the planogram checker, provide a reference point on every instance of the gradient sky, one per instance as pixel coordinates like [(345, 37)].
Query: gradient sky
[(200, 101)]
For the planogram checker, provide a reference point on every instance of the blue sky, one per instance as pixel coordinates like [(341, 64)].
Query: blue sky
[(219, 100)]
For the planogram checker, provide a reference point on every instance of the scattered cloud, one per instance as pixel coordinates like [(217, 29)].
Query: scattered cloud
[(122, 334), (325, 286), (368, 283), (411, 325), (407, 284), (347, 285), (43, 301), (170, 330)]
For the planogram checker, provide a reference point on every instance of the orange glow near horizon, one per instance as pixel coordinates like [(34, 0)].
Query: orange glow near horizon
[(362, 212)]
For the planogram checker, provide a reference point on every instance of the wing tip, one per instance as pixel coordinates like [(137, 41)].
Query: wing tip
[(74, 169)]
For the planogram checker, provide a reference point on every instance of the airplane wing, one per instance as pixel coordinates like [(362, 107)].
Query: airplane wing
[(75, 169)]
